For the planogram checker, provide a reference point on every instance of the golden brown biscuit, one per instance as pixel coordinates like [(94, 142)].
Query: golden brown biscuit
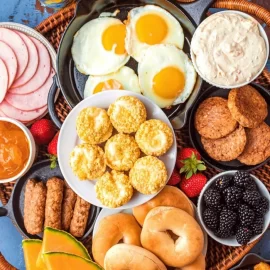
[(154, 137), (213, 119), (257, 148), (121, 152), (148, 175), (262, 266), (87, 161), (127, 113), (247, 106), (114, 189), (226, 148), (93, 125)]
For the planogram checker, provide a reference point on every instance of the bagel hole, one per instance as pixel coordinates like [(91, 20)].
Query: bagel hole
[(172, 235), (121, 241)]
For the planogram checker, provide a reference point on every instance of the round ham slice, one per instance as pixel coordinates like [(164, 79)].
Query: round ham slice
[(32, 62), (24, 116), (15, 42), (42, 73), (2, 114), (10, 60), (3, 80), (34, 100)]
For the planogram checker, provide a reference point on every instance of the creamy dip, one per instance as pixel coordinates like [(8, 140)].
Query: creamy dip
[(228, 49)]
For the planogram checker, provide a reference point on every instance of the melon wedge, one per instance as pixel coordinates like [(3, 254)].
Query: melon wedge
[(60, 241), (65, 261), (31, 249)]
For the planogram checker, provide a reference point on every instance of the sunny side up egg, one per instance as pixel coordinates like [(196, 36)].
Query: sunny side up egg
[(166, 75), (99, 46), (150, 25), (123, 79)]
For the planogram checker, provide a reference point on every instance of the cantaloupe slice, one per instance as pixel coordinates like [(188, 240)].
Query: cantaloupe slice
[(60, 241), (65, 261), (31, 249)]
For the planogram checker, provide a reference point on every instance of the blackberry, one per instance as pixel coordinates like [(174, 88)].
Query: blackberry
[(212, 197), (242, 179), (252, 197), (223, 182), (224, 234), (257, 225), (262, 208), (219, 207), (243, 235), (252, 186), (233, 206), (232, 195), (227, 219), (246, 215), (210, 218)]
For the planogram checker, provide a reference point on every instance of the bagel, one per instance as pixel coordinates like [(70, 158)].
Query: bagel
[(112, 230), (129, 257), (172, 235), (169, 196), (198, 264)]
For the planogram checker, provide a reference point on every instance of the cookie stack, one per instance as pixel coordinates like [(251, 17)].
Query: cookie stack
[(234, 128)]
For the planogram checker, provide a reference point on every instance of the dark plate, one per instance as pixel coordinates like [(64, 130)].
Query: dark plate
[(14, 209), (196, 138)]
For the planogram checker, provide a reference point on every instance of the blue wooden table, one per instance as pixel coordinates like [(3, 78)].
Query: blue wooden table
[(31, 13)]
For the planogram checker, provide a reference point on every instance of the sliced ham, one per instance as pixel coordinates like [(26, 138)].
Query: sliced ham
[(3, 80), (15, 42), (24, 116), (42, 73), (34, 100), (10, 60), (2, 114), (32, 62)]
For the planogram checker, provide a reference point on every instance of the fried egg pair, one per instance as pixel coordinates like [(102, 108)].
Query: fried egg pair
[(99, 46), (166, 75)]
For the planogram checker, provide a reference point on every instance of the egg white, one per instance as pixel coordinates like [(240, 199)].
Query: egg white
[(135, 47), (155, 59), (87, 50)]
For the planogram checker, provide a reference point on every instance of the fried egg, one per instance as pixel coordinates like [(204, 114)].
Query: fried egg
[(99, 46), (150, 25), (123, 79), (166, 75)]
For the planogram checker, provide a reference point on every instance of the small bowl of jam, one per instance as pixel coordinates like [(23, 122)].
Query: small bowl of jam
[(17, 149)]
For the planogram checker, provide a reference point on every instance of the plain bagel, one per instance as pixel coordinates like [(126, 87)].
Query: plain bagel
[(129, 257), (198, 264), (112, 230), (169, 196), (172, 235)]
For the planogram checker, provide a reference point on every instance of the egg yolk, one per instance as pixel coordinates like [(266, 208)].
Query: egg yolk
[(169, 82), (151, 29), (14, 150), (108, 85), (113, 38)]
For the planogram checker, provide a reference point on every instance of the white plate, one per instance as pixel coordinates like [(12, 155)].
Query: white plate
[(68, 139), (108, 212)]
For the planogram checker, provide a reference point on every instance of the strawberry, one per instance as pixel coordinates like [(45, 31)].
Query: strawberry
[(192, 187), (184, 154), (52, 150), (175, 178), (43, 131)]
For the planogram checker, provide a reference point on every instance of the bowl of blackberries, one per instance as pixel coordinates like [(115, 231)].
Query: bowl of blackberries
[(233, 208)]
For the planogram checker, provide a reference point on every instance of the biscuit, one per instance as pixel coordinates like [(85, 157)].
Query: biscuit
[(114, 189), (247, 106), (154, 137), (93, 125), (148, 175), (226, 148), (213, 119), (127, 113), (87, 161), (257, 148), (121, 152)]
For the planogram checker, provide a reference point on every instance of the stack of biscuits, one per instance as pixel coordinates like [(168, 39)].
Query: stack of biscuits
[(234, 128)]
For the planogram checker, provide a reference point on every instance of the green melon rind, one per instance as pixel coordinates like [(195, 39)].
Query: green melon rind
[(72, 238), (46, 254), (31, 241)]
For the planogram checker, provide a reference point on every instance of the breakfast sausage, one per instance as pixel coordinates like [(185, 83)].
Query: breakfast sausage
[(80, 217), (53, 208), (69, 200), (27, 201)]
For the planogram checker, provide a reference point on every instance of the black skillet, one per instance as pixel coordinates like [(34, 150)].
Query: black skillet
[(72, 82), (14, 208), (196, 138)]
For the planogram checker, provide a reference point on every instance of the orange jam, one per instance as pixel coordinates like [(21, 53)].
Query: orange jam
[(14, 150)]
